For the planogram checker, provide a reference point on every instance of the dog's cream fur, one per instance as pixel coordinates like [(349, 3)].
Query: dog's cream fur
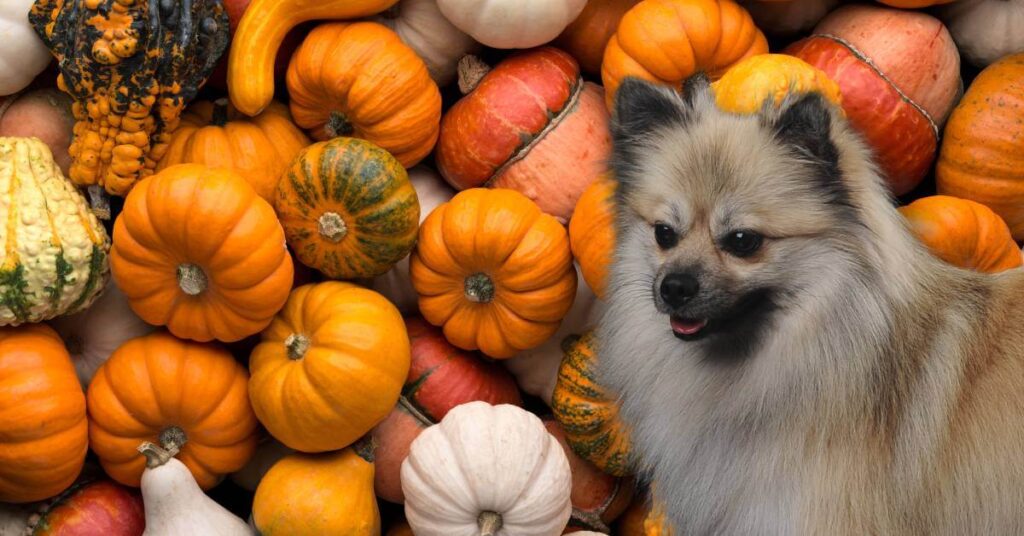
[(886, 394)]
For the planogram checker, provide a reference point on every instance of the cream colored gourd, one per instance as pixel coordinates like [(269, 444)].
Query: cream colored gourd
[(985, 30), (175, 506), (268, 452), (421, 25), (22, 55), (93, 334), (512, 23), (432, 191), (487, 470)]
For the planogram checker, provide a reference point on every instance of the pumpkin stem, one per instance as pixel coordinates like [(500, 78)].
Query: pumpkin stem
[(220, 112), (338, 125), (489, 522), (297, 344), (366, 447), (332, 227), (99, 202), (479, 288), (471, 71), (172, 439), (191, 279), (155, 456)]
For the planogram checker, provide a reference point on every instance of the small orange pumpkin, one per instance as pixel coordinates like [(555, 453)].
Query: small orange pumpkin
[(747, 85), (198, 251), (963, 233), (494, 271), (158, 388), (592, 233)]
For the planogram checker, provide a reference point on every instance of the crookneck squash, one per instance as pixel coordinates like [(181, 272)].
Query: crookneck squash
[(258, 148), (43, 427), (55, 250), (494, 271), (196, 250), (131, 66), (360, 80), (175, 393), (348, 208), (589, 416)]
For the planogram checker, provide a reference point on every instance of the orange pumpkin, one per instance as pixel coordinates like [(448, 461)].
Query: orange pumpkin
[(963, 233), (747, 85), (586, 37), (198, 251), (165, 390), (43, 429), (592, 233), (360, 80), (982, 156), (666, 41), (258, 148), (494, 271)]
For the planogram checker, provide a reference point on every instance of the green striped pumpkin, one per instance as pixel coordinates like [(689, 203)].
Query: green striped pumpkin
[(588, 415), (55, 250), (348, 209)]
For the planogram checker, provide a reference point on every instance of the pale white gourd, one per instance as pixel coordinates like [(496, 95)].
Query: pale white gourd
[(174, 503), (395, 285), (93, 334), (267, 454), (536, 370), (790, 17), (512, 23), (421, 25), (985, 30), (22, 54), (489, 471)]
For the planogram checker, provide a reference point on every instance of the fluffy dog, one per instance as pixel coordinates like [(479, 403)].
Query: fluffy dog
[(790, 359)]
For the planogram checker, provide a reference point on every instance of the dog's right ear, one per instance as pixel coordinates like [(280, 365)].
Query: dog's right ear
[(642, 107)]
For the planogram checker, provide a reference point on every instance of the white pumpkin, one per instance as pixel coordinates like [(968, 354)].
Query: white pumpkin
[(22, 55), (536, 370), (268, 452), (487, 470), (788, 18), (512, 23), (94, 333), (174, 503), (395, 285), (986, 30), (421, 25)]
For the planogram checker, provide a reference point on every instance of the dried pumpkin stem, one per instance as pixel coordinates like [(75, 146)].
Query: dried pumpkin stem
[(172, 439), (366, 448), (191, 279), (297, 344), (332, 227), (489, 522), (338, 125), (471, 71), (479, 288), (220, 112)]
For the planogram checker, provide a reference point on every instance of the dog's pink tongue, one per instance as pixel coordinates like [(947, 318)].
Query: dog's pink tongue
[(687, 327)]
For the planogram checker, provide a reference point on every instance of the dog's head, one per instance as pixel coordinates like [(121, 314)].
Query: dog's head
[(724, 217)]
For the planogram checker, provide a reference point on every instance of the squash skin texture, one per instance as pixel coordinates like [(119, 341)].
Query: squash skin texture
[(746, 86), (592, 233), (56, 251), (43, 426), (93, 507), (963, 233)]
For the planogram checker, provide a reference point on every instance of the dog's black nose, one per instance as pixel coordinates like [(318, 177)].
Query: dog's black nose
[(677, 289)]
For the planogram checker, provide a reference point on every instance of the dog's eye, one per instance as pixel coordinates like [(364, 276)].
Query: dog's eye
[(742, 243), (665, 236)]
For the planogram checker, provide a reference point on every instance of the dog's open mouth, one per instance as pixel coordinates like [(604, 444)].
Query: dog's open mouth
[(688, 329)]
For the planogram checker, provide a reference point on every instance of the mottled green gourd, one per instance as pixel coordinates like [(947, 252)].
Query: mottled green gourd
[(348, 208), (588, 415), (55, 250)]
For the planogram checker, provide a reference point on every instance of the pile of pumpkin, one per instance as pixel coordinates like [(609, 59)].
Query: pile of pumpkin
[(359, 246)]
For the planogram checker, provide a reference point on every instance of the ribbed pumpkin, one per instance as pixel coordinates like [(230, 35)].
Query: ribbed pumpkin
[(666, 41), (531, 124), (588, 414), (329, 367), (319, 494), (55, 254), (586, 36), (43, 429), (359, 79), (963, 233), (747, 85), (592, 233), (494, 271), (196, 250), (165, 390), (348, 208), (217, 136), (982, 157)]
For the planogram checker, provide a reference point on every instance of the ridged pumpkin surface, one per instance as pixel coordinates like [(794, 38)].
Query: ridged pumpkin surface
[(586, 37), (586, 412), (348, 208), (494, 271), (43, 429), (746, 86), (154, 384), (592, 233), (55, 250)]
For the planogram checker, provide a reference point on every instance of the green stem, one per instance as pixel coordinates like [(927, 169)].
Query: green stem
[(479, 288)]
